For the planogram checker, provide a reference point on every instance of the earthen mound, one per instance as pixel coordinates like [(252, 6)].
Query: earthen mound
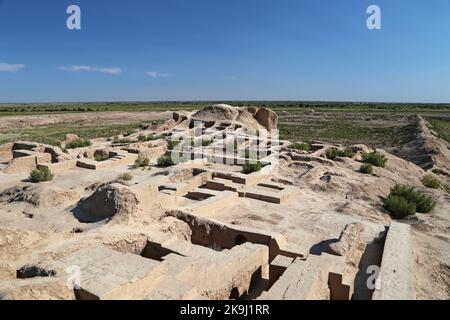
[(110, 200)]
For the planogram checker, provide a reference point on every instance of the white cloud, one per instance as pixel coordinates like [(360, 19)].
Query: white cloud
[(111, 71), (6, 67), (155, 74)]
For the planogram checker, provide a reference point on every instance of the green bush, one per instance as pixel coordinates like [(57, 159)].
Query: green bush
[(78, 143), (41, 174), (399, 207), (431, 182), (140, 162), (366, 168), (375, 158), (300, 146), (165, 161), (335, 152), (206, 142), (126, 177), (173, 144), (424, 203), (101, 157), (251, 167)]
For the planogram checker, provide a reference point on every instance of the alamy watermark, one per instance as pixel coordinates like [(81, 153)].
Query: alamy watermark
[(73, 22)]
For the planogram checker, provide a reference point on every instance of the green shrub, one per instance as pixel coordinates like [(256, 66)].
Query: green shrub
[(140, 162), (101, 157), (126, 177), (300, 146), (431, 182), (165, 161), (206, 142), (173, 144), (251, 167), (335, 152), (142, 138), (41, 174), (375, 158), (424, 203), (399, 207), (366, 168), (78, 143)]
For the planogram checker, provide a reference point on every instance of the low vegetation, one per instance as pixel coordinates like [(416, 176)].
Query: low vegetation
[(165, 161), (78, 143), (375, 158), (150, 137), (41, 175), (300, 146), (404, 201), (173, 143), (126, 177), (366, 168), (141, 162), (431, 182), (101, 157), (251, 166), (333, 153), (441, 172), (206, 142)]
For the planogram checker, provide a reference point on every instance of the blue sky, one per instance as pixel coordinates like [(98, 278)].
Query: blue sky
[(225, 50)]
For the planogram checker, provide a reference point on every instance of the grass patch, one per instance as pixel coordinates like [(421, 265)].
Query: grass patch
[(375, 158), (333, 153), (431, 182), (366, 168), (165, 161), (442, 127), (141, 162), (126, 177), (300, 146), (78, 143), (251, 167), (41, 175), (101, 157)]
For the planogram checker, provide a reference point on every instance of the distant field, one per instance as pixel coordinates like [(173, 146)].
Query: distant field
[(347, 128), (43, 108), (374, 124)]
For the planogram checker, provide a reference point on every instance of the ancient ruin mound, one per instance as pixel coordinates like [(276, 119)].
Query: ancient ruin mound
[(425, 149), (304, 222), (108, 201), (247, 117)]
